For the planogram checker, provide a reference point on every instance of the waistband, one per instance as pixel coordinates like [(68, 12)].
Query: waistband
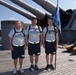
[(50, 40), (34, 42), (18, 45)]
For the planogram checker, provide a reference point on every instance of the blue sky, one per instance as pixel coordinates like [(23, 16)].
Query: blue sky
[(7, 14)]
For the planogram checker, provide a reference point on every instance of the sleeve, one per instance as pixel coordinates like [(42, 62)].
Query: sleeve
[(11, 33)]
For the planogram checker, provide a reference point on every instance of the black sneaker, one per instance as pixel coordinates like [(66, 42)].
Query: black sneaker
[(47, 67), (36, 67), (31, 68), (51, 67)]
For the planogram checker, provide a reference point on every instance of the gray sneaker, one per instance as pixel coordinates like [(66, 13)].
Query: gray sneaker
[(15, 71), (21, 70)]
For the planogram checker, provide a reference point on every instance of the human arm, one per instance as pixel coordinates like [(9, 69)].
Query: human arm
[(26, 37), (10, 43), (26, 41), (44, 32), (10, 39), (43, 40)]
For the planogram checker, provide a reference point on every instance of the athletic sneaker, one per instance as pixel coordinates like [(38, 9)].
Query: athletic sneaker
[(21, 70), (36, 67), (51, 67), (47, 67), (14, 71), (31, 68)]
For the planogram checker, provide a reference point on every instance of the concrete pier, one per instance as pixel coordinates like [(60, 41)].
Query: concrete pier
[(66, 63)]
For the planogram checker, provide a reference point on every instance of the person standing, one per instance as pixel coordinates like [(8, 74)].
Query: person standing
[(17, 45), (34, 38), (50, 42)]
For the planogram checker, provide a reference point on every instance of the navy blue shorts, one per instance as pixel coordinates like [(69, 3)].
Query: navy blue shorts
[(50, 47), (34, 49), (18, 52)]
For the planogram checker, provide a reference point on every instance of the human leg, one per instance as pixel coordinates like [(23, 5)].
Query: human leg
[(15, 66), (31, 61), (21, 62), (36, 62), (51, 60), (15, 58), (47, 61)]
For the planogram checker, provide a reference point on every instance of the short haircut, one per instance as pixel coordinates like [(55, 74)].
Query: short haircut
[(34, 18), (49, 18), (18, 21)]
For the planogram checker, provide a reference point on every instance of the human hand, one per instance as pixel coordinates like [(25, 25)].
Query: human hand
[(56, 47), (44, 45), (40, 43), (25, 47), (11, 48)]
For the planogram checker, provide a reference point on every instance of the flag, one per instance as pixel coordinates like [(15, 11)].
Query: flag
[(56, 18)]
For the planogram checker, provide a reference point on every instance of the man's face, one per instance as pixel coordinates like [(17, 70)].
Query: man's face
[(49, 22), (18, 25), (34, 21)]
